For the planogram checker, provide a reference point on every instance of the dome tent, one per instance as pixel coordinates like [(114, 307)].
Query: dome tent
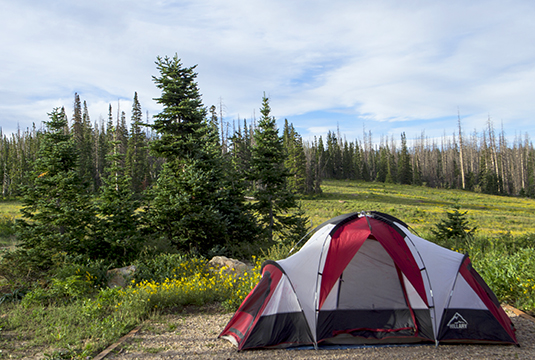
[(363, 278)]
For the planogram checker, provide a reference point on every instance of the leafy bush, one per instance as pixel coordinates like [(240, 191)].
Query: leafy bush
[(69, 281), (158, 268), (510, 275)]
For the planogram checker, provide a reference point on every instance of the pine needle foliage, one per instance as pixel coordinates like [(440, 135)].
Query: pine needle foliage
[(274, 202), (193, 206), (57, 213), (454, 228)]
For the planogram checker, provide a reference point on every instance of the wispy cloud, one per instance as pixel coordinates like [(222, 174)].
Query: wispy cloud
[(385, 65)]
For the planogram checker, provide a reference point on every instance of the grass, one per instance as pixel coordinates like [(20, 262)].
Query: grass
[(86, 324), (9, 211), (71, 316), (421, 207)]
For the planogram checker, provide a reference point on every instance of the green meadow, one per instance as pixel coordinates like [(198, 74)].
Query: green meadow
[(75, 315), (422, 207), (9, 211)]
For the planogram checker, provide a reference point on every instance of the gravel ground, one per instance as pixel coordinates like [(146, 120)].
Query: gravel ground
[(192, 334)]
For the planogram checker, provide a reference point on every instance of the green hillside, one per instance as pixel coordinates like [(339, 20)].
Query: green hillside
[(422, 207)]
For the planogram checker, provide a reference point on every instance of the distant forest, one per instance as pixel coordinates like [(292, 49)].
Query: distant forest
[(483, 162)]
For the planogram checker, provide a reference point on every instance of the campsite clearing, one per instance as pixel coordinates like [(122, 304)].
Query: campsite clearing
[(193, 334)]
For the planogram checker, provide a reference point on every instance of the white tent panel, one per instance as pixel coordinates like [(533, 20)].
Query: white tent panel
[(283, 299), (304, 282), (442, 266), (415, 300), (464, 297), (370, 281), (332, 299)]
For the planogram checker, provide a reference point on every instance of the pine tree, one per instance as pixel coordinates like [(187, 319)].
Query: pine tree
[(241, 154), (317, 168), (119, 221), (273, 198), (101, 153), (83, 138), (357, 162), (121, 135), (405, 166), (192, 204), (382, 166), (57, 212), (348, 168), (322, 159), (455, 229), (136, 154), (295, 161)]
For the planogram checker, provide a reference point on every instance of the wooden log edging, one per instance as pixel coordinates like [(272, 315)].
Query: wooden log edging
[(110, 348), (518, 312)]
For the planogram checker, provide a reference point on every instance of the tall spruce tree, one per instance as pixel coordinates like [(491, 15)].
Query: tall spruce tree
[(382, 165), (83, 138), (136, 154), (192, 206), (295, 159), (57, 212), (274, 201), (117, 205), (405, 167)]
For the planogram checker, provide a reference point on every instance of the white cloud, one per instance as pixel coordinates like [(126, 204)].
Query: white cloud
[(383, 62)]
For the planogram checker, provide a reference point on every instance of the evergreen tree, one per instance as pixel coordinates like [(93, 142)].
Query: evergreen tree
[(366, 176), (273, 198), (101, 154), (119, 222), (391, 172), (121, 135), (405, 166), (241, 154), (357, 162), (295, 159), (136, 154), (382, 166), (348, 169), (192, 204), (57, 212), (321, 155), (454, 228), (83, 138)]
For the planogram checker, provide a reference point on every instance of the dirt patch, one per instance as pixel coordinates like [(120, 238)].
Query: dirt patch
[(193, 334)]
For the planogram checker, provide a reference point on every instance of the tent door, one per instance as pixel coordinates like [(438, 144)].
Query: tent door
[(371, 302)]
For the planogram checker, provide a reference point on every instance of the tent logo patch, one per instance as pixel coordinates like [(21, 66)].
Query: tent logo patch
[(457, 322)]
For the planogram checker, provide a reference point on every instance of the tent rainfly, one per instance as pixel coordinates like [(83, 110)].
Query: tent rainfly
[(363, 278)]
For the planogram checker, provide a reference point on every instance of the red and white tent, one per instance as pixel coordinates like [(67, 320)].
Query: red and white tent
[(363, 278)]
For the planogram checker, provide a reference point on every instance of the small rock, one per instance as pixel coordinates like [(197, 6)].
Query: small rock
[(231, 265), (120, 276)]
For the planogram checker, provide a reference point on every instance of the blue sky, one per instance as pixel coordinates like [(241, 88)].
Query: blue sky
[(382, 66)]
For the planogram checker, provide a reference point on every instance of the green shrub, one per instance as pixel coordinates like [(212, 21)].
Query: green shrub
[(159, 267), (453, 231), (510, 275)]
